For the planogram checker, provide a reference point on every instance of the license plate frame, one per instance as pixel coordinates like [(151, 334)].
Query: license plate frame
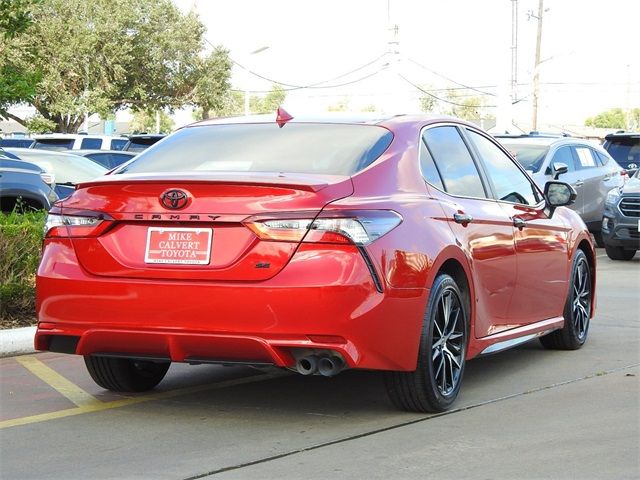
[(174, 246)]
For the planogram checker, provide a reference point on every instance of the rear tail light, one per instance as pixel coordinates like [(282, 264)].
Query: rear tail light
[(76, 224), (347, 227)]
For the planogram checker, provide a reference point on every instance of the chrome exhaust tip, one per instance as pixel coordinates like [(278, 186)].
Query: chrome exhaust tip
[(307, 365)]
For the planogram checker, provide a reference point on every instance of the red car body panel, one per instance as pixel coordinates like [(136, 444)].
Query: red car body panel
[(313, 295)]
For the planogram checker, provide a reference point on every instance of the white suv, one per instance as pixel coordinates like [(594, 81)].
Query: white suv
[(68, 141)]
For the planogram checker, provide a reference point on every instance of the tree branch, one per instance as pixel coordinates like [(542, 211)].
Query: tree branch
[(5, 114)]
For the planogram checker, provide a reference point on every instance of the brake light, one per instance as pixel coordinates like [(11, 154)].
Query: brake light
[(76, 224), (348, 227)]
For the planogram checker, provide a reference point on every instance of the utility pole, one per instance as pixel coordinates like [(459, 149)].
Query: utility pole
[(514, 50), (536, 73), (627, 113)]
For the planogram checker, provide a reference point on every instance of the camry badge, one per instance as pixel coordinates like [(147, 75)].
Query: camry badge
[(174, 199)]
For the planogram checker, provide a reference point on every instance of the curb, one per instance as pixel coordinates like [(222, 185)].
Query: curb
[(17, 341)]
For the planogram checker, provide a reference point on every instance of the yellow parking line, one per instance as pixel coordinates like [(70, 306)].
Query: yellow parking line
[(52, 378), (99, 406)]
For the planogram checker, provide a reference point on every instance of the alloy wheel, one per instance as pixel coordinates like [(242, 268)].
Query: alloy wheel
[(581, 302), (447, 347)]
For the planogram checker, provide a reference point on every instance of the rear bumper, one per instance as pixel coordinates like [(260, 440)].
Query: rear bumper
[(324, 298)]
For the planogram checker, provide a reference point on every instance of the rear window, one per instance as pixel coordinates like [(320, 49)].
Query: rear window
[(531, 157), (90, 143), (16, 142), (139, 144), (54, 143), (68, 169), (331, 149), (624, 150)]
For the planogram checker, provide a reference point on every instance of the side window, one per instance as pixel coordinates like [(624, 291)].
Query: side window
[(117, 143), (564, 155), (585, 158), (91, 143), (428, 167), (453, 160), (510, 184), (604, 159)]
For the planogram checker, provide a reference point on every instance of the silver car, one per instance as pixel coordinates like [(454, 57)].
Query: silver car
[(588, 167)]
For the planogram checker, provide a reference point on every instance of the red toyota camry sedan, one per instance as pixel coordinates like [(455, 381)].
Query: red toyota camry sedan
[(408, 244)]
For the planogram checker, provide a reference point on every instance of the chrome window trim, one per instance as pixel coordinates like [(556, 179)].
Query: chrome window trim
[(422, 145)]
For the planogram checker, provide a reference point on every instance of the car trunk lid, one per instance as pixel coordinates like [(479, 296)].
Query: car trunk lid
[(208, 229)]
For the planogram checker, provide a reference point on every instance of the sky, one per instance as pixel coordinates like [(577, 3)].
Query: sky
[(589, 47)]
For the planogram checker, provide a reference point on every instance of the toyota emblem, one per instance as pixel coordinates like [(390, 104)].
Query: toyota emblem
[(174, 199)]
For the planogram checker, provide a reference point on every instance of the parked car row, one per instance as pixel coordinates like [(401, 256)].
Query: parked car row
[(24, 185), (34, 178), (65, 141), (587, 167)]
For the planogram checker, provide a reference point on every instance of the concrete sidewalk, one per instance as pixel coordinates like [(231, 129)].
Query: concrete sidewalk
[(557, 432)]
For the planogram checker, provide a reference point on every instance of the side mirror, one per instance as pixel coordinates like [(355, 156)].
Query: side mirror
[(558, 194), (558, 168)]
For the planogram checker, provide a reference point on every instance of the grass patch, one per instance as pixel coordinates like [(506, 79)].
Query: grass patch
[(20, 245)]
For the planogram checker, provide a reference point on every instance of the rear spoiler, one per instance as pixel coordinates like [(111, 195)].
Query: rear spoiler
[(297, 181)]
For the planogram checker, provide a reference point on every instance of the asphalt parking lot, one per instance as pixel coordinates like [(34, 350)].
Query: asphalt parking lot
[(525, 413)]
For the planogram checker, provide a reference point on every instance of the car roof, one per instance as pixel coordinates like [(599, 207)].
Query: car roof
[(74, 136), (84, 151), (146, 135), (42, 153), (335, 117), (545, 141), (19, 163), (611, 136)]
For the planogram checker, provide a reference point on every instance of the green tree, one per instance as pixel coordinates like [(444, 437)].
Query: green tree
[(634, 122), (467, 108), (270, 102), (212, 84), (105, 55), (147, 121), (427, 102), (340, 106), (612, 118), (15, 16), (39, 124), (15, 85)]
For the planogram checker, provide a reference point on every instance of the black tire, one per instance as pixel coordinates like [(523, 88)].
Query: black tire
[(434, 385), (125, 374), (618, 253), (577, 310)]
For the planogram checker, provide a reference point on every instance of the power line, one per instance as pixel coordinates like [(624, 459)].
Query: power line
[(315, 84), (450, 79), (317, 88), (439, 98)]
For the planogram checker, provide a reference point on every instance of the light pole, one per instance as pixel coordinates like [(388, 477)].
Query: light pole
[(247, 77), (536, 77)]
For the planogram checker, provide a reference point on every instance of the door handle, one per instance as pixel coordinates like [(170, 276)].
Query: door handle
[(462, 218), (519, 222), (579, 183)]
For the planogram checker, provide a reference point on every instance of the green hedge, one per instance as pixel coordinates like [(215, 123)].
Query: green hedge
[(20, 245)]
